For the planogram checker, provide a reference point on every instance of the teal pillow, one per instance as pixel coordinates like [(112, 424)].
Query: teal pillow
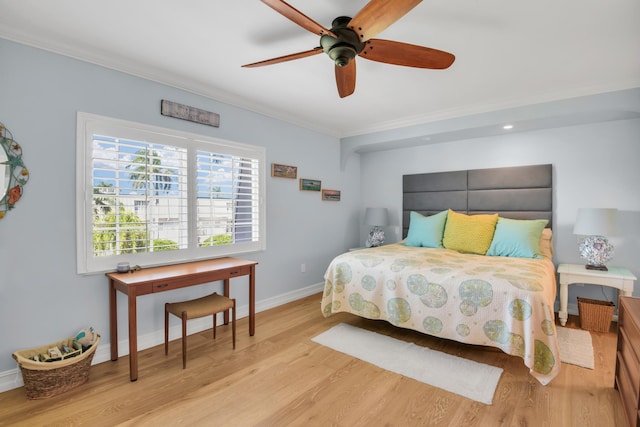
[(517, 238), (426, 231)]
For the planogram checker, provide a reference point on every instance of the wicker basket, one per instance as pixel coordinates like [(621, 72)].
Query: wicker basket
[(47, 379), (595, 315)]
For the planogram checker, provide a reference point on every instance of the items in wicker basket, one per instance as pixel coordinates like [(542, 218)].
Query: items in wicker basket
[(47, 379)]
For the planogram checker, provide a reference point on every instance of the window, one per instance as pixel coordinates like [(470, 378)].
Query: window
[(151, 196)]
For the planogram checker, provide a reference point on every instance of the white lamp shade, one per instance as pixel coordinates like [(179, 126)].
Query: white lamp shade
[(596, 222), (376, 216)]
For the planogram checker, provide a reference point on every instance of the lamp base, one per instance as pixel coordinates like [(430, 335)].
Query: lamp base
[(596, 250), (376, 237), (596, 267)]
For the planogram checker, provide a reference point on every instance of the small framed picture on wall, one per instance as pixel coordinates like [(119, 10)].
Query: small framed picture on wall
[(331, 195), (284, 171), (310, 184)]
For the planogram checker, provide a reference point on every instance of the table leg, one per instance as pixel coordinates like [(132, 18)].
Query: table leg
[(563, 315), (133, 338), (252, 301), (226, 294), (113, 320)]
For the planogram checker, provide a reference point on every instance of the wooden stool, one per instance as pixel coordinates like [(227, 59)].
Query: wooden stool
[(205, 306)]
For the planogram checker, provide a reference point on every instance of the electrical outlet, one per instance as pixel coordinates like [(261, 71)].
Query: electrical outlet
[(303, 268)]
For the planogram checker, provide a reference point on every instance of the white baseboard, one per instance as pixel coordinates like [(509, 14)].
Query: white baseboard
[(10, 379), (13, 378)]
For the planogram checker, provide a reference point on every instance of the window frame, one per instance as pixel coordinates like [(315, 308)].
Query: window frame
[(92, 124)]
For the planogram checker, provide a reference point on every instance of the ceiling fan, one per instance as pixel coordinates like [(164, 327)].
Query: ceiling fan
[(351, 37)]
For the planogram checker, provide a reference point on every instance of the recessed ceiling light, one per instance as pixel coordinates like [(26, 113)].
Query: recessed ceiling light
[(507, 127)]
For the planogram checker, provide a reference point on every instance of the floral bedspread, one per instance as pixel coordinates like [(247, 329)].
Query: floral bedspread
[(493, 301)]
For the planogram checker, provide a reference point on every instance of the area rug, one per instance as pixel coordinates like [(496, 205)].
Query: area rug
[(576, 347), (464, 377)]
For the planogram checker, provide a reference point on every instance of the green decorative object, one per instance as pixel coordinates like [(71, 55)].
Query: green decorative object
[(13, 173)]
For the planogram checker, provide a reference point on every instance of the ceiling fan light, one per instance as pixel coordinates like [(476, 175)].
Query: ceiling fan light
[(342, 54)]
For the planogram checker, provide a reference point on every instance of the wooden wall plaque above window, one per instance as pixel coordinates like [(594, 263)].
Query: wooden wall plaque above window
[(192, 114)]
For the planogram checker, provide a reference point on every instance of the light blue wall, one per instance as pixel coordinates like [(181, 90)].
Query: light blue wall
[(594, 165), (42, 299)]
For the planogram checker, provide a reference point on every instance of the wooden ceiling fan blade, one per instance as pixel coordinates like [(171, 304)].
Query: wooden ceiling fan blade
[(290, 12), (346, 79), (409, 55), (378, 15), (285, 58)]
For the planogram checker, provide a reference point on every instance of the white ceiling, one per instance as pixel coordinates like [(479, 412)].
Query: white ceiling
[(508, 54)]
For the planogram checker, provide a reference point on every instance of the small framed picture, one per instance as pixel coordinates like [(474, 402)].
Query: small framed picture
[(331, 195), (310, 184), (284, 171)]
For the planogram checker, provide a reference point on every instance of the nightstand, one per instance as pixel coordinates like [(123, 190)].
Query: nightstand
[(617, 277)]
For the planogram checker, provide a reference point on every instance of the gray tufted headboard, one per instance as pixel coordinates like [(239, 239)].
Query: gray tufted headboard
[(521, 192)]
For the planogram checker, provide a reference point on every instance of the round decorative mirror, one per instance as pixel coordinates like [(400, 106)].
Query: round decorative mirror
[(13, 174)]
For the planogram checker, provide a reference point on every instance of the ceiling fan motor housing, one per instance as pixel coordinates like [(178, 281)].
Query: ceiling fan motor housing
[(346, 46)]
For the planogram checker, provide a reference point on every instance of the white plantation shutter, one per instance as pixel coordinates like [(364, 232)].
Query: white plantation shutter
[(228, 198), (139, 197), (150, 196)]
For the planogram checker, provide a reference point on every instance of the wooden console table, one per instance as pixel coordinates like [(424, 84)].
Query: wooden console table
[(165, 278)]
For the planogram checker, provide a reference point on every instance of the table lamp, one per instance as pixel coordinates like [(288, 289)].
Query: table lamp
[(376, 217), (592, 226)]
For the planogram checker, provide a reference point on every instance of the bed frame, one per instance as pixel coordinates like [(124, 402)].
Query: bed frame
[(521, 192)]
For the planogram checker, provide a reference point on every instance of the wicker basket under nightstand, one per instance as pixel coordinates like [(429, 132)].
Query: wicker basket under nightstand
[(595, 315)]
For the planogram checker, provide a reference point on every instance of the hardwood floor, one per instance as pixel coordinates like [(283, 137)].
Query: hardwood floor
[(280, 377)]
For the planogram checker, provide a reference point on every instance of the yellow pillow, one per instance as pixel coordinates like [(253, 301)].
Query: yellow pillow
[(469, 233), (546, 243)]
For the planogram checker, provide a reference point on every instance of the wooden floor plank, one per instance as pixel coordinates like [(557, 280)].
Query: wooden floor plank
[(280, 377)]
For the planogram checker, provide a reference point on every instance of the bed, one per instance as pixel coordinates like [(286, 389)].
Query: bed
[(474, 265)]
